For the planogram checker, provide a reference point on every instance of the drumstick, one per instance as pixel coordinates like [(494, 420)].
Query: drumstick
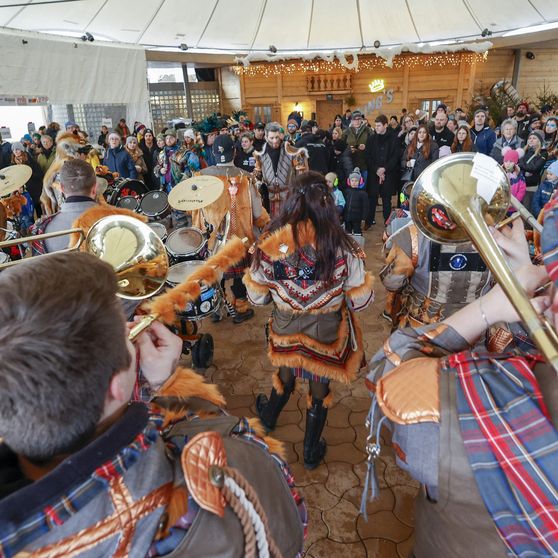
[(164, 307)]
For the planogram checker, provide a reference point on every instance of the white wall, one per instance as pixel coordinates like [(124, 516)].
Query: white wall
[(16, 118)]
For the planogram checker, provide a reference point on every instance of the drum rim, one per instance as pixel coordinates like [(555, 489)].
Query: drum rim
[(195, 263), (161, 226), (195, 251), (130, 197)]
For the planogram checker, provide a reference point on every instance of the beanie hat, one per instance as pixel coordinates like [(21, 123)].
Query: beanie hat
[(223, 148), (356, 114), (539, 135), (332, 177), (512, 155), (130, 139), (160, 136), (171, 132), (189, 133), (17, 145), (553, 168), (356, 174)]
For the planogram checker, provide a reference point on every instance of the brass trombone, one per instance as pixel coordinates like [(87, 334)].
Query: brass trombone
[(449, 204), (134, 250)]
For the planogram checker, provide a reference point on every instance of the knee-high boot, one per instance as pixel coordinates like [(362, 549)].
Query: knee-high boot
[(314, 445), (268, 409)]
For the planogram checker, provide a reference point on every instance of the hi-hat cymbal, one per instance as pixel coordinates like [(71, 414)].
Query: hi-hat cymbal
[(13, 178), (195, 193)]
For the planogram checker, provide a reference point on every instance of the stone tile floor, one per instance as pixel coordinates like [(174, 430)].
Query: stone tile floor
[(333, 490)]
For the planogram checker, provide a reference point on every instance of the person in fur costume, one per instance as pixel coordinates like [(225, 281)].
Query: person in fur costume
[(247, 217), (314, 274), (67, 145), (109, 448), (277, 164)]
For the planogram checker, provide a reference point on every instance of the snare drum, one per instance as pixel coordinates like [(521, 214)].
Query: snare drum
[(159, 229), (155, 205), (210, 299), (127, 187), (187, 243), (129, 202)]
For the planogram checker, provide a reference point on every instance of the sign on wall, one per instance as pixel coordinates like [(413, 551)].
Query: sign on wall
[(377, 101)]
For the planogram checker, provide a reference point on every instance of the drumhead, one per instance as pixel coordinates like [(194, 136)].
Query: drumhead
[(128, 202), (159, 229), (154, 203), (185, 241), (179, 272)]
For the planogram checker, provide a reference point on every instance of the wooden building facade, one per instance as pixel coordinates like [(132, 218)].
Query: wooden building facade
[(413, 85)]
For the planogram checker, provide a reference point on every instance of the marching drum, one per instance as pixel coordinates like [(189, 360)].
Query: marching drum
[(187, 243), (210, 299), (160, 230), (155, 205)]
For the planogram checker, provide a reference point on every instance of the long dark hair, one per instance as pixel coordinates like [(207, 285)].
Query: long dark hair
[(309, 200)]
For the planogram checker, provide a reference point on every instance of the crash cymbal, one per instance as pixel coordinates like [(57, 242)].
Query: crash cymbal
[(195, 193), (13, 178)]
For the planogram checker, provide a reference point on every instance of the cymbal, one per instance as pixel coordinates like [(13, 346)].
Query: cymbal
[(195, 193), (13, 178)]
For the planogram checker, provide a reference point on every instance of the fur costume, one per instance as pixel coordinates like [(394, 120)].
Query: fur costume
[(67, 145), (313, 325), (249, 214), (292, 161)]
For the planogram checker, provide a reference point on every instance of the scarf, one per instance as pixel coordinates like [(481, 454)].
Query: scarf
[(512, 447), (135, 154)]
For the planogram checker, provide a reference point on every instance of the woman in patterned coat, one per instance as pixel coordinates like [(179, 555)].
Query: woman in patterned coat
[(314, 274)]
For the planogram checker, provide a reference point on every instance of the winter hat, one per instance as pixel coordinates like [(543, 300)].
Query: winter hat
[(356, 174), (524, 105), (69, 124), (130, 139), (160, 136), (27, 137), (553, 168), (17, 145), (223, 148), (512, 155), (170, 132), (421, 115), (189, 133), (539, 135), (356, 114), (332, 177)]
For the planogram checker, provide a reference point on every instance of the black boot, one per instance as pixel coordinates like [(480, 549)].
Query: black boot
[(268, 409), (314, 445)]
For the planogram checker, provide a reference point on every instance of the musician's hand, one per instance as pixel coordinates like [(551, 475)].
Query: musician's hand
[(513, 243), (159, 351), (497, 306)]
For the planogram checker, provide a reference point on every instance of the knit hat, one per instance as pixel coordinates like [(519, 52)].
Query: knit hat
[(259, 126), (523, 104), (356, 174), (332, 177), (27, 137), (130, 139), (512, 155), (160, 136), (539, 135), (189, 133), (223, 148), (553, 168), (69, 124), (170, 132), (356, 114), (17, 145)]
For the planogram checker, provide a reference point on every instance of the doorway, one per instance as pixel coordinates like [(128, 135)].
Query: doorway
[(326, 112)]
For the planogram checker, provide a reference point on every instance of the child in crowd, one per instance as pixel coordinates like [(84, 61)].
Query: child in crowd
[(332, 182), (546, 188), (515, 176), (356, 203)]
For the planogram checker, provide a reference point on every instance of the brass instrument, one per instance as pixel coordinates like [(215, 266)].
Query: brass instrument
[(134, 250), (454, 200)]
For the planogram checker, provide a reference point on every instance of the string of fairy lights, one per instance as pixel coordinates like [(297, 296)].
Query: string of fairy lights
[(438, 60)]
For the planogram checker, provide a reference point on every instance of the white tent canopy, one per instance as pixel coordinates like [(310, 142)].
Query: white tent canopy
[(289, 25)]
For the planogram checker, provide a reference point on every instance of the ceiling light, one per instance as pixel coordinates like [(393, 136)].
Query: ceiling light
[(377, 44)]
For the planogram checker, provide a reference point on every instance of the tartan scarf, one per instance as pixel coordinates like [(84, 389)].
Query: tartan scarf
[(512, 447)]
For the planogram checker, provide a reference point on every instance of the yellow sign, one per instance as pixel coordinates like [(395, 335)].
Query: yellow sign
[(376, 85)]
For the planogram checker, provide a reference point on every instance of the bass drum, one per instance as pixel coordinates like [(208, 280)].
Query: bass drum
[(125, 187), (187, 243), (210, 299), (155, 205)]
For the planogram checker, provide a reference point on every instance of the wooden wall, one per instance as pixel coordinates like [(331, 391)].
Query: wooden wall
[(455, 85)]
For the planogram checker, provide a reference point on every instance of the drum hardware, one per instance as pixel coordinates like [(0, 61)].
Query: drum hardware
[(449, 203)]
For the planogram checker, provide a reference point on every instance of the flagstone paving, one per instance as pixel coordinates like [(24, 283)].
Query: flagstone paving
[(333, 490)]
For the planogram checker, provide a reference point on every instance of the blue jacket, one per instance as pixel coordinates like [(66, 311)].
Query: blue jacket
[(542, 196), (484, 140), (118, 160)]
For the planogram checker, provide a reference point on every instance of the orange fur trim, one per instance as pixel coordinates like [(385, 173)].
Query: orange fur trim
[(254, 286), (262, 220), (271, 243), (276, 447), (176, 508), (402, 264), (366, 289), (277, 383), (173, 300), (186, 383), (256, 425), (308, 400), (328, 399)]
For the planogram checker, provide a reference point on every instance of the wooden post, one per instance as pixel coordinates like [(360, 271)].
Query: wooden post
[(460, 82), (242, 93), (405, 100), (279, 96), (472, 76)]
